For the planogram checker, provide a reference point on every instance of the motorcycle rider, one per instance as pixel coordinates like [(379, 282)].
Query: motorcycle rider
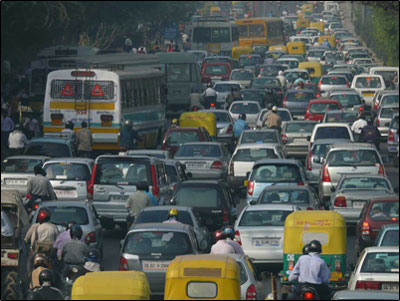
[(39, 187), (221, 246), (240, 125), (274, 121), (92, 261), (358, 125), (370, 134), (40, 263), (75, 251), (46, 291), (210, 96), (230, 236), (129, 136), (172, 217), (312, 271)]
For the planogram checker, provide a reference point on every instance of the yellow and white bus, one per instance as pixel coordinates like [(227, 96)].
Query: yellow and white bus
[(105, 99), (260, 31)]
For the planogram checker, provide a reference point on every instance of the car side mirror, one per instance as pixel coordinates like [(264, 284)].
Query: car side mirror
[(253, 202), (333, 189)]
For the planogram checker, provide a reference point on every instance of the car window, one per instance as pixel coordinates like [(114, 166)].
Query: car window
[(259, 137), (395, 123), (261, 82), (247, 108), (252, 95), (63, 214), (333, 80), (334, 132), (295, 127), (368, 82), (347, 100), (388, 100), (285, 116), (163, 242), (159, 216), (204, 151), (242, 75), (243, 273), (249, 60), (387, 76), (222, 117), (292, 76), (180, 137), (321, 108), (276, 173), (262, 218), (252, 155), (364, 183), (388, 112), (384, 211), (353, 158), (191, 196), (342, 116), (299, 97), (390, 239), (216, 70), (67, 171), (381, 262), (19, 165), (48, 149), (172, 174), (223, 88), (288, 196)]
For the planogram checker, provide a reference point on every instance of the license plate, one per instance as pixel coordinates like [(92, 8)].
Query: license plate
[(119, 197), (393, 287), (195, 165), (155, 265), (16, 182), (300, 140), (336, 275), (266, 242), (358, 204), (368, 94), (66, 193), (300, 117)]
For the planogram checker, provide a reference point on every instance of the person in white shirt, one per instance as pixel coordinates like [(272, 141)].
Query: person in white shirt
[(221, 246), (358, 125), (210, 96), (282, 79), (17, 141), (230, 235)]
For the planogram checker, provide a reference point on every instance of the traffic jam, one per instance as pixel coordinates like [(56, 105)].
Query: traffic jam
[(252, 154)]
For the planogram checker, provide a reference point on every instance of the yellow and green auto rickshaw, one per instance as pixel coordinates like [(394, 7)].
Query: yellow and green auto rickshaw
[(301, 227), (111, 285), (302, 23), (282, 48), (196, 119), (318, 25), (307, 8), (195, 277), (331, 39), (239, 50), (297, 47), (314, 69)]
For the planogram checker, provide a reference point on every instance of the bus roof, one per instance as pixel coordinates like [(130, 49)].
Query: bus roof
[(62, 51), (176, 57), (251, 20)]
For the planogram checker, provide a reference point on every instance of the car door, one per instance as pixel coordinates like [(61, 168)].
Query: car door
[(97, 226), (166, 189)]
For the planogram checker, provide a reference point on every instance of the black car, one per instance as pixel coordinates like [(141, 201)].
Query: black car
[(263, 97), (270, 84), (211, 200)]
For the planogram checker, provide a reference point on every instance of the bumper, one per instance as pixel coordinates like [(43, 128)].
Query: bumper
[(351, 215), (299, 150), (392, 148), (117, 212), (265, 255), (21, 189), (196, 174)]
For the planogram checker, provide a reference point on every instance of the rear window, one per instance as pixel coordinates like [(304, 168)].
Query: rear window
[(342, 116), (388, 112), (354, 158), (204, 151), (68, 171), (180, 137), (364, 183), (264, 218), (384, 211), (285, 196), (299, 97), (346, 100), (391, 238), (272, 70), (253, 95), (216, 70), (381, 262), (276, 173), (162, 242), (260, 82), (390, 100), (48, 149), (247, 108), (192, 196), (332, 132), (318, 54), (226, 88), (19, 165), (292, 76), (201, 290), (62, 215), (259, 137), (334, 80), (295, 127), (249, 60), (252, 155), (368, 82), (320, 108), (160, 216), (242, 76)]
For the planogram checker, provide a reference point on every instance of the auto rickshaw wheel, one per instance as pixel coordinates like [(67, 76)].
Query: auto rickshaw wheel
[(10, 287)]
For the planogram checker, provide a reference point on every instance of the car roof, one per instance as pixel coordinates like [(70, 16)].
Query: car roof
[(256, 145), (381, 249), (286, 187), (160, 226), (244, 101), (332, 124), (295, 70), (214, 111), (352, 146), (277, 161), (28, 157), (70, 160), (261, 130), (279, 109), (164, 208), (50, 139), (365, 295), (151, 151), (66, 202), (331, 141), (390, 226), (257, 207), (323, 100), (301, 121), (335, 75), (228, 82)]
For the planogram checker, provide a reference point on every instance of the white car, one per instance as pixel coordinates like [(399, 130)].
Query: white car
[(223, 89), (331, 130), (377, 269), (367, 85), (248, 107), (387, 73), (243, 77)]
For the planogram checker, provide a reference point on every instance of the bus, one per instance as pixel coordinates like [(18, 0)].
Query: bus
[(104, 100), (260, 31), (182, 77), (217, 35)]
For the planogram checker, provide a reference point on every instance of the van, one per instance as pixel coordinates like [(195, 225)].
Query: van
[(114, 178)]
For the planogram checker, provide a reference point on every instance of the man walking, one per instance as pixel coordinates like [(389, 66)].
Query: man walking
[(84, 141)]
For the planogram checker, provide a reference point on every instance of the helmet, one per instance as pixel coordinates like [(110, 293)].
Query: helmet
[(280, 73), (69, 125), (174, 121), (219, 235), (315, 246), (70, 224), (17, 126), (93, 255), (46, 276), (242, 116), (76, 232), (40, 260), (44, 215), (128, 123), (173, 212), (306, 249), (270, 106), (275, 109), (229, 232)]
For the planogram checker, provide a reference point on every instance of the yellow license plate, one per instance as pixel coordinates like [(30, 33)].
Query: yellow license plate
[(368, 94), (336, 275)]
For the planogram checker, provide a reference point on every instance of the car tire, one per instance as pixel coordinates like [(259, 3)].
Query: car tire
[(10, 291)]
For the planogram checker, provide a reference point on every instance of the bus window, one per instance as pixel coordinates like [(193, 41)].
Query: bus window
[(235, 34), (256, 30), (221, 35), (202, 35), (243, 31)]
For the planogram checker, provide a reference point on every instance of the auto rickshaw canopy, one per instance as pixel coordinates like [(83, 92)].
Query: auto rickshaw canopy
[(296, 47), (282, 48), (302, 23), (331, 39), (313, 68), (239, 50), (318, 25), (196, 119)]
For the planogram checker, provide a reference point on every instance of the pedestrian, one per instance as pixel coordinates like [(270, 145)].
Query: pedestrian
[(394, 84), (17, 141), (34, 126), (84, 141), (129, 136), (221, 246), (282, 79), (39, 187), (156, 47), (233, 96), (240, 125), (68, 132), (136, 202), (274, 121), (7, 126)]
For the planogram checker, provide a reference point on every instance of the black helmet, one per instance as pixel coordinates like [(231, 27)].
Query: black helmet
[(93, 255), (315, 246), (270, 106), (76, 232), (71, 224), (242, 116), (69, 125), (306, 249), (46, 276)]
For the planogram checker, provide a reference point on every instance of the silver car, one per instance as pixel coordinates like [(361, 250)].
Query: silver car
[(161, 154), (248, 107), (285, 115), (352, 192), (328, 82), (176, 171), (149, 248), (204, 160), (376, 101), (348, 100), (334, 130), (294, 136), (384, 117), (346, 116), (297, 101), (69, 177), (345, 159), (223, 89), (16, 170), (260, 136), (393, 136), (243, 77), (259, 229)]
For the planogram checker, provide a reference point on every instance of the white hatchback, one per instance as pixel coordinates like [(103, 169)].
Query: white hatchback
[(250, 108), (367, 85)]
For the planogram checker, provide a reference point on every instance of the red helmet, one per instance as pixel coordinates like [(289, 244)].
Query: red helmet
[(43, 216), (219, 234)]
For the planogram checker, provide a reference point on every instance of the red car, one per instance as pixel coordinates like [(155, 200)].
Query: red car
[(176, 136), (375, 213), (220, 71), (317, 107)]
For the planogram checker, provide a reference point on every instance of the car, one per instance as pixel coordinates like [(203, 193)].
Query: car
[(204, 160), (348, 73), (211, 200), (262, 96), (294, 136), (345, 47), (333, 130), (354, 50), (365, 295), (387, 73), (314, 87), (224, 89), (114, 178), (219, 59), (282, 112), (352, 191), (82, 212), (387, 100), (215, 72), (344, 159), (376, 101), (224, 126), (260, 49), (242, 76), (176, 171), (16, 170), (315, 55), (362, 61), (244, 157), (300, 57), (186, 215), (250, 61), (367, 85), (267, 172), (69, 177), (317, 107), (297, 101), (160, 154), (293, 74), (378, 211), (271, 84), (149, 248), (384, 117), (291, 62), (377, 269), (348, 100), (346, 116), (176, 136), (261, 136), (259, 229), (199, 54), (332, 58), (272, 69), (353, 68), (248, 107), (50, 147), (388, 236), (328, 82), (304, 197), (393, 137)]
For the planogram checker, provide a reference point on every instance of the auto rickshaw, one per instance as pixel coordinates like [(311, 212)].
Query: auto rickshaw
[(239, 50), (196, 119), (282, 48), (301, 227), (215, 11), (302, 23), (307, 8), (314, 69), (194, 277), (331, 40), (111, 285), (297, 47), (318, 25)]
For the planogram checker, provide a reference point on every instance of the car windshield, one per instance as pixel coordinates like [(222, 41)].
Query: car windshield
[(19, 165), (381, 262), (364, 183), (299, 97), (291, 63), (333, 80), (368, 82), (388, 100), (64, 214), (285, 196), (259, 83), (217, 60), (384, 211), (276, 173), (271, 70), (292, 76), (162, 242), (48, 149), (249, 60), (242, 75), (199, 151), (321, 108), (247, 108), (342, 116), (252, 155), (259, 137), (180, 137), (178, 73), (302, 127), (316, 53), (197, 196), (226, 88), (347, 100), (388, 112), (253, 95), (159, 216), (121, 171), (215, 70), (67, 171), (320, 150), (263, 218), (354, 158), (333, 132), (391, 239), (395, 123)]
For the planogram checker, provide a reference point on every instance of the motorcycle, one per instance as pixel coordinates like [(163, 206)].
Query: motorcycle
[(71, 273)]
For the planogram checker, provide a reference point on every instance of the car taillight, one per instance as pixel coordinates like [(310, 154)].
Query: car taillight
[(123, 264), (318, 95), (300, 183), (309, 160), (251, 293), (91, 185), (391, 136), (308, 296), (284, 102), (378, 122), (232, 168), (381, 171), (28, 196), (36, 206), (347, 84), (367, 285), (337, 265), (340, 201), (319, 84), (156, 188), (250, 188), (307, 116), (365, 230), (91, 237), (310, 208), (284, 138), (291, 265), (230, 129), (217, 165), (225, 216), (376, 106), (325, 174), (212, 105), (237, 237)]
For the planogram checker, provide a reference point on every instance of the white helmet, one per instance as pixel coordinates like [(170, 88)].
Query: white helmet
[(274, 109), (280, 73)]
